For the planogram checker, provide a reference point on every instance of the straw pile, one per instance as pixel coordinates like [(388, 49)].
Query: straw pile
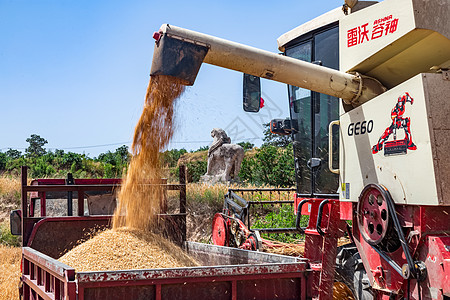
[(126, 249), (290, 249), (10, 272)]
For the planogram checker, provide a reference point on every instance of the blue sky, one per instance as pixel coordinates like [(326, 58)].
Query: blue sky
[(76, 72)]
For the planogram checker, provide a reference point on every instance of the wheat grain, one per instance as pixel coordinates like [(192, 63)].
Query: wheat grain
[(126, 249)]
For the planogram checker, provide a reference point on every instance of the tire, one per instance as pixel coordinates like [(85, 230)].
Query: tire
[(350, 272)]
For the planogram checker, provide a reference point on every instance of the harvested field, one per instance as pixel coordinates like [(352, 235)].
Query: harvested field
[(125, 249), (10, 272)]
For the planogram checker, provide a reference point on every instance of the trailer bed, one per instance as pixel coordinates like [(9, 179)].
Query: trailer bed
[(228, 273)]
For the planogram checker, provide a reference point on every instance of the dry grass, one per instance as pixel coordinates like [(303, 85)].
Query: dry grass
[(9, 185), (193, 157), (211, 193), (10, 189), (10, 272), (126, 249)]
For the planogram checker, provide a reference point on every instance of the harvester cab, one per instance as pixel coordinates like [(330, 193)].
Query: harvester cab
[(378, 156)]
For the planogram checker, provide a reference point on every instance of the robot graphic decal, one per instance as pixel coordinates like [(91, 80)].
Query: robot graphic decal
[(400, 146)]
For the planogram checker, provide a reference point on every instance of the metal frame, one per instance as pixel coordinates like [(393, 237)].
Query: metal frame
[(263, 277), (46, 278), (39, 187), (236, 206)]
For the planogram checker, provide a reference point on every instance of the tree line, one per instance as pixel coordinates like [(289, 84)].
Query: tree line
[(58, 163), (271, 164)]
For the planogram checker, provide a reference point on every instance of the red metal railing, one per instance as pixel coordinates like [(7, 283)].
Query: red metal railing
[(46, 278), (39, 187)]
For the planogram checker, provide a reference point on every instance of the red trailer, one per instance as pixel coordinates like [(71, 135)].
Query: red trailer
[(226, 273)]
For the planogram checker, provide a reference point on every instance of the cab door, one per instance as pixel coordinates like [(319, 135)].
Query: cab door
[(311, 113)]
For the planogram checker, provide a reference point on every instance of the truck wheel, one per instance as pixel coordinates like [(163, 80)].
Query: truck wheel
[(350, 274)]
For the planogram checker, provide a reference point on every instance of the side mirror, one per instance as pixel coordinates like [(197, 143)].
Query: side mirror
[(15, 222), (281, 127), (252, 93)]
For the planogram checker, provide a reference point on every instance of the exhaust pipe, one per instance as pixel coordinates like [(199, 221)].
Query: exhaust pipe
[(180, 52)]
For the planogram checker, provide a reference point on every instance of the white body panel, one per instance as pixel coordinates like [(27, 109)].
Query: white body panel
[(396, 39), (417, 177)]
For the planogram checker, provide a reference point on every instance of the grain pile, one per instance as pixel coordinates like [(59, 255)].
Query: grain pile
[(10, 272), (125, 249), (134, 242)]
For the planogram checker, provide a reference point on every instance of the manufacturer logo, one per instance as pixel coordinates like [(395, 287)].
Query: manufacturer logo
[(399, 122), (363, 33)]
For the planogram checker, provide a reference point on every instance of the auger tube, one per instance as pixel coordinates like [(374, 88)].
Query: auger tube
[(354, 89)]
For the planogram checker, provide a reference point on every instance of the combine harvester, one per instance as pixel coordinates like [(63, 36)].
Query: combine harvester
[(376, 158)]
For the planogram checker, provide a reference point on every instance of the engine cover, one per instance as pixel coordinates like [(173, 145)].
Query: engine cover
[(399, 140)]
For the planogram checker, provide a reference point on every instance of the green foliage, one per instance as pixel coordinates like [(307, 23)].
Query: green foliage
[(115, 162), (41, 168), (3, 161), (281, 217), (195, 170), (122, 154), (71, 160), (57, 164), (202, 148), (15, 164), (170, 157), (246, 145), (109, 170), (271, 165), (13, 153), (247, 170), (92, 168), (36, 147), (6, 238)]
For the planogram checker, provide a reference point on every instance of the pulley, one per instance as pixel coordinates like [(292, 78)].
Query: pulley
[(220, 230), (375, 218)]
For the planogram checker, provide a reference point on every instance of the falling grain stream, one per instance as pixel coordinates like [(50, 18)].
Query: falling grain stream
[(134, 241)]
